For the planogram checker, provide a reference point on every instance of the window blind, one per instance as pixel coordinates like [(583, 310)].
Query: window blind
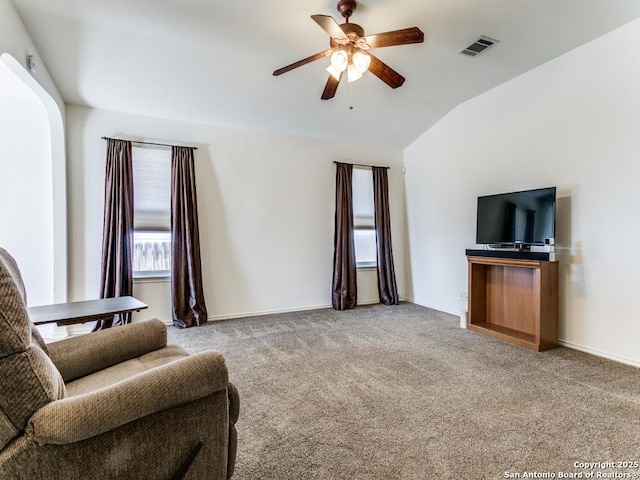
[(152, 188), (364, 234), (362, 189)]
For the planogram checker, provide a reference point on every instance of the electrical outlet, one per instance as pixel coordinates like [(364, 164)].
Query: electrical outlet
[(464, 296)]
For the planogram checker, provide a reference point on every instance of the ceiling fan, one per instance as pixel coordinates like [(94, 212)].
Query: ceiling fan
[(350, 50)]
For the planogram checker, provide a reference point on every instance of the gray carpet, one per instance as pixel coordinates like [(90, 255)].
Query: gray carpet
[(404, 393)]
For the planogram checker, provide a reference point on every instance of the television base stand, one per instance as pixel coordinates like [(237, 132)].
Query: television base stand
[(514, 299), (514, 254)]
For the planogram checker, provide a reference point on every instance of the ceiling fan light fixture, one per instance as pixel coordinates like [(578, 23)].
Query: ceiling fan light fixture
[(361, 61), (352, 73), (339, 60)]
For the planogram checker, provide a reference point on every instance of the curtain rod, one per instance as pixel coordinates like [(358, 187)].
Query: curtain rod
[(148, 143), (360, 165)]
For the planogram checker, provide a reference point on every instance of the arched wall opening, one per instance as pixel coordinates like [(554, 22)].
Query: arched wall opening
[(33, 224)]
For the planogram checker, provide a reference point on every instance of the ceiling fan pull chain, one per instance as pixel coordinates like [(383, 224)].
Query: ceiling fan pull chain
[(350, 96)]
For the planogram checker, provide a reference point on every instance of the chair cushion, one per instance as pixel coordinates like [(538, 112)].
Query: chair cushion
[(28, 378), (124, 370)]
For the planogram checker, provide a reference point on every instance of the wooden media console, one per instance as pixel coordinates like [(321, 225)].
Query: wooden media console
[(514, 299)]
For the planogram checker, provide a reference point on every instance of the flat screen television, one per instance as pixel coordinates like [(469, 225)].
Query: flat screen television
[(517, 218)]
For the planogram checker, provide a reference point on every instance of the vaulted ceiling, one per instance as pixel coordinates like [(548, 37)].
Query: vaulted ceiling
[(212, 61)]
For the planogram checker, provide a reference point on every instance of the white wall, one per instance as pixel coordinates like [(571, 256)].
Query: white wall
[(26, 214), (32, 164), (266, 207), (573, 123)]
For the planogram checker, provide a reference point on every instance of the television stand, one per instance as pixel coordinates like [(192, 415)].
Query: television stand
[(514, 299)]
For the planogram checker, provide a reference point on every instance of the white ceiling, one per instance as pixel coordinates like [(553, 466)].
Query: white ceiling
[(212, 61)]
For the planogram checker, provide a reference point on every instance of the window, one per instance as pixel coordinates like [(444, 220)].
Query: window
[(152, 253), (364, 233), (152, 211)]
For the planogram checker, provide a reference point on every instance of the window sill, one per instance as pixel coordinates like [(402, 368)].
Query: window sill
[(366, 266), (152, 277)]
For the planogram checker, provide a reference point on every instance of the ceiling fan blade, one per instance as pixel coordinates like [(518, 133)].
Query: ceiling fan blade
[(330, 26), (304, 61), (385, 73), (330, 88), (396, 37)]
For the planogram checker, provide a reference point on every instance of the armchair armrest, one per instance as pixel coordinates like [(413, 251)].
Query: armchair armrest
[(77, 357), (77, 418)]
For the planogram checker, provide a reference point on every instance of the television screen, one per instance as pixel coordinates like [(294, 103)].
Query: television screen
[(526, 217)]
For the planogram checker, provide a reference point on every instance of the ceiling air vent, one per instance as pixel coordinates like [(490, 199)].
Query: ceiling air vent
[(479, 46)]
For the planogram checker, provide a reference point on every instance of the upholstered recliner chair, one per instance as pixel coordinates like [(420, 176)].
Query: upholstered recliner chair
[(115, 404)]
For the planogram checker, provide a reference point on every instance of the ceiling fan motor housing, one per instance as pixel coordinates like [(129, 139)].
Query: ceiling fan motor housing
[(346, 8), (352, 30)]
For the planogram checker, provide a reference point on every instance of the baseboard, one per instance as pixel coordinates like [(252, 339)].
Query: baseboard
[(598, 353), (217, 318), (457, 314), (563, 343), (80, 330), (372, 301)]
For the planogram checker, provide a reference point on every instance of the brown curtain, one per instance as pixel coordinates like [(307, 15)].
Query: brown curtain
[(344, 290), (186, 272), (387, 288), (117, 232)]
